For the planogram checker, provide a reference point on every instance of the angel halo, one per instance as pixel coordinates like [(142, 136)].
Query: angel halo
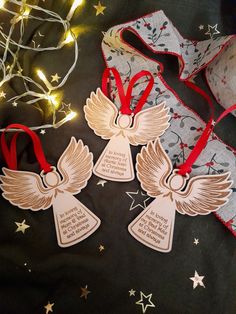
[(122, 130), (74, 221), (199, 195)]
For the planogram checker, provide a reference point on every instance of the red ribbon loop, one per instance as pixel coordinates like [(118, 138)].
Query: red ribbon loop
[(10, 154), (186, 167), (125, 98)]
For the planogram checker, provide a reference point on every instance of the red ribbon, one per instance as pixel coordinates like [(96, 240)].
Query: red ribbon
[(186, 167), (10, 154), (125, 98)]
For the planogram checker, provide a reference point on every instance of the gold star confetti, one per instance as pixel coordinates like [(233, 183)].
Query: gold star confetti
[(55, 78), (2, 94), (99, 8), (14, 104), (101, 182), (48, 307), (43, 131), (84, 292), (132, 292), (101, 248), (197, 280), (21, 226), (144, 297), (196, 241)]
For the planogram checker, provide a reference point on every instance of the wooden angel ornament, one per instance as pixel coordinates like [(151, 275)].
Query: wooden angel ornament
[(122, 130), (199, 195), (27, 190)]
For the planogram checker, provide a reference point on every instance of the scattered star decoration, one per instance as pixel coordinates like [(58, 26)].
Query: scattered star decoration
[(48, 307), (84, 292), (197, 280), (196, 241), (101, 248), (132, 292), (145, 305), (99, 8), (65, 108), (201, 27), (14, 104), (2, 94), (102, 182), (212, 30), (136, 198), (21, 226), (55, 78), (43, 131)]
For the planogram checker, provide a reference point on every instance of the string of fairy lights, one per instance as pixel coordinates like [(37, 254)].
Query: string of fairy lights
[(39, 89)]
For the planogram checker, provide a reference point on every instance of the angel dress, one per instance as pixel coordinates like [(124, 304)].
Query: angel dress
[(115, 162), (27, 190), (200, 195)]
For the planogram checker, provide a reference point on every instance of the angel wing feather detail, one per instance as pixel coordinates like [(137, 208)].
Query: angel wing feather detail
[(148, 125), (25, 189), (200, 195), (101, 114), (75, 166)]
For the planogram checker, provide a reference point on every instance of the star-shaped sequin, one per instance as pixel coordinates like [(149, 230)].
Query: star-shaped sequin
[(102, 182), (138, 199), (2, 94), (132, 292), (196, 241), (101, 248), (145, 301), (212, 30), (14, 104), (48, 307), (84, 292), (99, 8), (55, 78), (197, 280), (43, 131), (21, 226)]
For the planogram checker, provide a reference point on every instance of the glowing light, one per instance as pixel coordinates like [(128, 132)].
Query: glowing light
[(69, 38), (26, 12), (2, 3), (74, 6), (71, 116), (53, 100), (41, 76)]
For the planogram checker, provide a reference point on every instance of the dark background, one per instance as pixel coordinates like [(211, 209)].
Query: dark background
[(57, 274)]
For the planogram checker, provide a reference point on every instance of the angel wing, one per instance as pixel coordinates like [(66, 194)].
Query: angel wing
[(148, 125), (204, 194), (75, 166), (101, 114), (153, 167), (25, 190)]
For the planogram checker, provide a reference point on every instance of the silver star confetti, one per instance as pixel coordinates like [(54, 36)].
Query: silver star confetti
[(138, 199), (197, 280)]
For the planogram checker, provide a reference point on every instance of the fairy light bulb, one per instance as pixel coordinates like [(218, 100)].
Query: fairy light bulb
[(69, 38), (41, 75), (71, 116), (74, 6), (2, 3), (53, 100), (26, 12)]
